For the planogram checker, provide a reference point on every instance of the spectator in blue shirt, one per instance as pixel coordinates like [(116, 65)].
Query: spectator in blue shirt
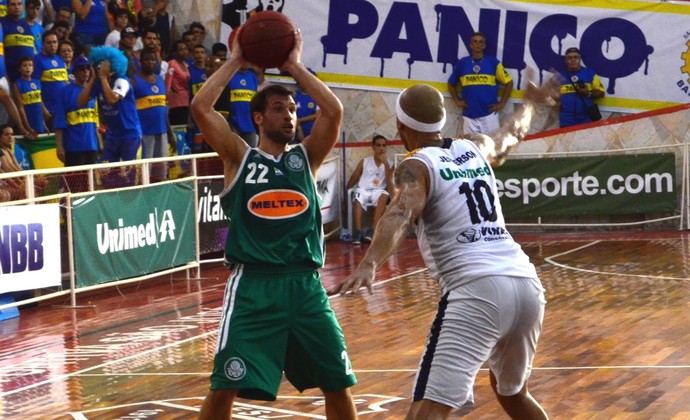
[(27, 95), (32, 9), (76, 127), (579, 89), (90, 22), (306, 112), (478, 76), (18, 39), (118, 109), (51, 69)]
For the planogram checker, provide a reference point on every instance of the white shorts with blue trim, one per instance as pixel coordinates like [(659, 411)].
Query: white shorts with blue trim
[(495, 318)]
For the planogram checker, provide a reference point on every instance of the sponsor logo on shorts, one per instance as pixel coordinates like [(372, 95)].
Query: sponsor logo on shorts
[(278, 204), (235, 369)]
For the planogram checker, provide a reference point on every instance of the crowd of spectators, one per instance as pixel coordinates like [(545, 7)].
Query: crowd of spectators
[(51, 83), (47, 82)]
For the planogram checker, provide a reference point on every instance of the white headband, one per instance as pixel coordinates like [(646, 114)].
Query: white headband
[(417, 125)]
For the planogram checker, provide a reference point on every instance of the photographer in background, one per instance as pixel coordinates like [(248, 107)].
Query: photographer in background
[(579, 89)]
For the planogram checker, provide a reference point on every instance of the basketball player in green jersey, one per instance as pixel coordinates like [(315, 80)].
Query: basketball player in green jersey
[(276, 316)]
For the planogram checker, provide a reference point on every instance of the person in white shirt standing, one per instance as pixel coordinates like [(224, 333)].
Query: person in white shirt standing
[(120, 21)]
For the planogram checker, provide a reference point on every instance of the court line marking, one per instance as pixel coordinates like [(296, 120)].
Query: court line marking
[(172, 405), (58, 378), (166, 403), (551, 261), (376, 407), (402, 276), (383, 282), (379, 283), (102, 365), (414, 370)]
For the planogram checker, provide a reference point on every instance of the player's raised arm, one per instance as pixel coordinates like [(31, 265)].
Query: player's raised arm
[(214, 127), (326, 130), (514, 128)]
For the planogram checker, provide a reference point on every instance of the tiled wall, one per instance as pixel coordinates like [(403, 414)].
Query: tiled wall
[(368, 113)]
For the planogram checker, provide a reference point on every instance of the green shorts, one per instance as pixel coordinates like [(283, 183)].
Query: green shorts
[(275, 322)]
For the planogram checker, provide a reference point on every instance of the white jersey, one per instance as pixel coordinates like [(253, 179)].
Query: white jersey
[(461, 232), (373, 176)]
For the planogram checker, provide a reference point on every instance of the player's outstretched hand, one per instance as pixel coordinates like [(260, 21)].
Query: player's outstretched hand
[(363, 276), (546, 94)]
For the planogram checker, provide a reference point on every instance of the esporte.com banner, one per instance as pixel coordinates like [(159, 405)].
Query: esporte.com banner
[(29, 247), (640, 49), (580, 186)]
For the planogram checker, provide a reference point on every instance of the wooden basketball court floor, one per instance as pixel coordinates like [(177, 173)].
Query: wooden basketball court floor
[(615, 342)]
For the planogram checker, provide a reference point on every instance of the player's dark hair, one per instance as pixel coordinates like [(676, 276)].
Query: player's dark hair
[(25, 59), (376, 137), (4, 126), (260, 100), (217, 47), (147, 51)]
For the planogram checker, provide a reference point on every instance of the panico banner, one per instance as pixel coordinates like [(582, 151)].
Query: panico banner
[(29, 247), (641, 50)]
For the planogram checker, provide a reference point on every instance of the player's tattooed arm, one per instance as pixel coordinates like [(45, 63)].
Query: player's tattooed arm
[(411, 182)]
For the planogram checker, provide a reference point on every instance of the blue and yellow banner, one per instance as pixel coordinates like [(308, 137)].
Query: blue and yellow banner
[(40, 153), (641, 50)]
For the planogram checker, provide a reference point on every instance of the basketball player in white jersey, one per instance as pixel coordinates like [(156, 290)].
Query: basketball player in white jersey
[(371, 176), (493, 303)]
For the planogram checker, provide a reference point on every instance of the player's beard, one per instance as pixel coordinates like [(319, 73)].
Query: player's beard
[(280, 136)]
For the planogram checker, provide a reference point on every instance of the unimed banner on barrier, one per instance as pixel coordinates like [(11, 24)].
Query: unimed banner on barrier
[(579, 186), (29, 247), (123, 234)]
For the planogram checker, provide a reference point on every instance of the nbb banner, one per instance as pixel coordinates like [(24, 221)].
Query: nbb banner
[(29, 247), (392, 44), (123, 234), (580, 186)]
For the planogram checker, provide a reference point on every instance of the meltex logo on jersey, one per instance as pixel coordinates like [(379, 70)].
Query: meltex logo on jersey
[(278, 204), (123, 238)]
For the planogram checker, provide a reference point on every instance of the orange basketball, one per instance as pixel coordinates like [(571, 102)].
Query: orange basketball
[(267, 38), (231, 37)]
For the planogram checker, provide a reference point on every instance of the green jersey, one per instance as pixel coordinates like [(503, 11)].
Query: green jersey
[(274, 212)]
